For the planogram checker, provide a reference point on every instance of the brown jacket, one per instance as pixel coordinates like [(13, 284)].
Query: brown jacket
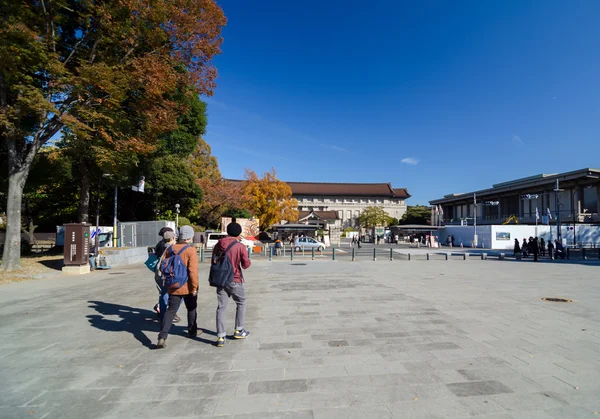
[(190, 258)]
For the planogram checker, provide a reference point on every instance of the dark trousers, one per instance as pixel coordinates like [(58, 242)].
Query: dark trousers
[(191, 302)]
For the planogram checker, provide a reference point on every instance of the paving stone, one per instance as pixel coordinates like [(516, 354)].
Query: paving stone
[(354, 412), (478, 388), (274, 387), (403, 333), (280, 345)]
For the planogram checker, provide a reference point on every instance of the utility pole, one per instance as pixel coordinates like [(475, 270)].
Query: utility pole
[(115, 239)]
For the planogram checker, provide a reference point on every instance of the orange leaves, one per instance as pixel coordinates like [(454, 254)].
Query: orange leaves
[(269, 198)]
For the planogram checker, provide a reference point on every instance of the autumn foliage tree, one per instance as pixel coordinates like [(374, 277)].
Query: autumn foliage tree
[(102, 71), (269, 199)]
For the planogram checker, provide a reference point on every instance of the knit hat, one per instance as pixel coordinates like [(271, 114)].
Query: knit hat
[(162, 231), (186, 232), (234, 229), (168, 235)]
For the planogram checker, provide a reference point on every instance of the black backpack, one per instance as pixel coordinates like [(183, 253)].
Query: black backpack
[(221, 269)]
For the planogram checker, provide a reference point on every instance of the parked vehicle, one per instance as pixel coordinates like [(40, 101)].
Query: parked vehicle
[(246, 242), (308, 243), (213, 238)]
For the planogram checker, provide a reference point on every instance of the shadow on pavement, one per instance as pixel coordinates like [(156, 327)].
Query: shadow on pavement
[(135, 321)]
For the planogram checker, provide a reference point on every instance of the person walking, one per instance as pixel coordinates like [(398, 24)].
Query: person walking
[(525, 248), (168, 240), (188, 292), (452, 240), (517, 248), (550, 249), (535, 247), (238, 256), (542, 247)]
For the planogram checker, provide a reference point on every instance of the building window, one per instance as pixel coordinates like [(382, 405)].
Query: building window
[(341, 215), (356, 213), (349, 213)]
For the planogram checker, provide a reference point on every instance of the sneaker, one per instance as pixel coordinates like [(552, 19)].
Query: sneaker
[(241, 334), (162, 343), (176, 319), (220, 342), (157, 310)]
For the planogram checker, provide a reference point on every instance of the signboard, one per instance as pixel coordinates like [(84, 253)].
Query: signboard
[(500, 235), (249, 227)]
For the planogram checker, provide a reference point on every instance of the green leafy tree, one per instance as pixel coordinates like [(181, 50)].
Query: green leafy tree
[(373, 216), (417, 214), (104, 71)]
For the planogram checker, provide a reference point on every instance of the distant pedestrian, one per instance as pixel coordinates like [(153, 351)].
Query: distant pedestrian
[(525, 248), (238, 256), (535, 247), (542, 247), (396, 239), (517, 248), (452, 240), (179, 288), (560, 250), (550, 249)]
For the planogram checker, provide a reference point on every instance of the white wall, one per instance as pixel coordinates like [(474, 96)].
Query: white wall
[(586, 234)]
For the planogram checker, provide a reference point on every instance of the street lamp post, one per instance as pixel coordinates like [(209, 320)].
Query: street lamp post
[(558, 232), (474, 219), (177, 206)]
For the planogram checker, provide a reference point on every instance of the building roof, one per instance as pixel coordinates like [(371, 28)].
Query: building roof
[(323, 215), (347, 189), (531, 184), (344, 189)]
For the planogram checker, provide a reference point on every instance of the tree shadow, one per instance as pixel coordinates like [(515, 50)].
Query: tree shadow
[(55, 264), (135, 321)]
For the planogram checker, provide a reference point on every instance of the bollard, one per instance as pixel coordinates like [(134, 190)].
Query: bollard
[(409, 256), (484, 256), (583, 254), (427, 256), (374, 253), (568, 253), (502, 256), (250, 255), (353, 256), (270, 256), (333, 254), (266, 247), (292, 250), (465, 256), (391, 254), (313, 253), (447, 254), (283, 250), (202, 254), (302, 250)]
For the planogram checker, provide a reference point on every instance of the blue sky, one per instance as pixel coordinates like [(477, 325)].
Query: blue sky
[(435, 96)]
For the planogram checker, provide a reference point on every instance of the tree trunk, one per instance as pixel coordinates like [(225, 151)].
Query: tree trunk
[(11, 258), (84, 193)]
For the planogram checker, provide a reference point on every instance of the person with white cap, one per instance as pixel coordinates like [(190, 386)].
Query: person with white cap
[(188, 292)]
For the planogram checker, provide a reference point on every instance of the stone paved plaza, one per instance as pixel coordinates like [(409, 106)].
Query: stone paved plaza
[(419, 339)]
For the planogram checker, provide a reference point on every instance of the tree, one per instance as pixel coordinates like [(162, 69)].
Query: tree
[(418, 214), (103, 71), (219, 197), (202, 163), (373, 216), (269, 199)]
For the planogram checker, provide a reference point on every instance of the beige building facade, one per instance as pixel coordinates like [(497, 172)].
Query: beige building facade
[(348, 200)]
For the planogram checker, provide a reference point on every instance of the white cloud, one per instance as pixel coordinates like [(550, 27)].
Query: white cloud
[(339, 149), (517, 140), (410, 160)]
